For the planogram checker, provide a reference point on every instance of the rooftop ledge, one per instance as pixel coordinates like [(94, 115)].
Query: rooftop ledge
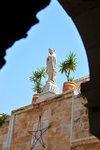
[(58, 97)]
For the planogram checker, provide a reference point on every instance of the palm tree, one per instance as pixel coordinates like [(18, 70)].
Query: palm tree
[(37, 87), (36, 79), (68, 65)]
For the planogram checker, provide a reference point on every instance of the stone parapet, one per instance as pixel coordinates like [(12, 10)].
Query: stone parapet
[(66, 122)]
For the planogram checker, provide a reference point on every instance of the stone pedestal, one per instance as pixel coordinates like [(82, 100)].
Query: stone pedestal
[(49, 90), (51, 86)]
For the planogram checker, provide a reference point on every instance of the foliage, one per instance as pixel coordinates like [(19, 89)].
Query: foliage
[(37, 87), (36, 79), (71, 79), (2, 118), (68, 65)]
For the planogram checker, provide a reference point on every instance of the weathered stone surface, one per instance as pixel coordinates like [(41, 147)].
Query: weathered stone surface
[(45, 95), (4, 134), (56, 113), (80, 120), (68, 120)]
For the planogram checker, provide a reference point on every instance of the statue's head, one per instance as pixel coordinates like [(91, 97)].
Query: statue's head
[(51, 50)]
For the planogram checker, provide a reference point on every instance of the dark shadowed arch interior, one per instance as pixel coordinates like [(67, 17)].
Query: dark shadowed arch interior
[(86, 16)]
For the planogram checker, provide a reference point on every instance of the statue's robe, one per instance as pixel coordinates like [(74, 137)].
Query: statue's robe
[(51, 67)]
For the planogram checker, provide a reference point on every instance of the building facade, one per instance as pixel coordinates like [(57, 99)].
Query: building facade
[(58, 123)]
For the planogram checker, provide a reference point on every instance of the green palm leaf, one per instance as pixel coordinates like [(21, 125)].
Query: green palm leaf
[(71, 62), (36, 79), (68, 65)]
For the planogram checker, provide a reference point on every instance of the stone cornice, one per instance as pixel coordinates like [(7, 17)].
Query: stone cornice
[(59, 97), (82, 141)]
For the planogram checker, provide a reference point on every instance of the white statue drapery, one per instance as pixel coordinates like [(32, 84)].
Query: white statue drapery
[(51, 66)]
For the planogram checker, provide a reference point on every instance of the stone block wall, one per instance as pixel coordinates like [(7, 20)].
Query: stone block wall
[(65, 119), (81, 139), (80, 119), (69, 129), (4, 134), (55, 112)]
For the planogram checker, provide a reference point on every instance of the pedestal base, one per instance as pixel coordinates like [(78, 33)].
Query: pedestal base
[(50, 86), (49, 90), (44, 96)]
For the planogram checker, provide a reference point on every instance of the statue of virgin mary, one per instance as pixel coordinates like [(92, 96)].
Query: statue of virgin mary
[(51, 66)]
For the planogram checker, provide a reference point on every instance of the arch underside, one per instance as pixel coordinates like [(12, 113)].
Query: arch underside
[(86, 16)]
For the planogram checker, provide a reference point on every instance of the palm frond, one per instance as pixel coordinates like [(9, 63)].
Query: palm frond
[(36, 79), (68, 65), (37, 87), (62, 67), (71, 61)]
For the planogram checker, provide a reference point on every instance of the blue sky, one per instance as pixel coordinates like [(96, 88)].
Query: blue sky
[(55, 30)]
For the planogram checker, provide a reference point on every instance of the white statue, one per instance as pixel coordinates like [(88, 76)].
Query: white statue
[(50, 89), (51, 66)]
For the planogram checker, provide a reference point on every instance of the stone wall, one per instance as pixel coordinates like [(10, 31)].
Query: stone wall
[(59, 123), (80, 119), (79, 82), (81, 139), (55, 112), (69, 128), (4, 134)]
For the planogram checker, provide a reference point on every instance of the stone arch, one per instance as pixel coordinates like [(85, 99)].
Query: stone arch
[(86, 16)]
